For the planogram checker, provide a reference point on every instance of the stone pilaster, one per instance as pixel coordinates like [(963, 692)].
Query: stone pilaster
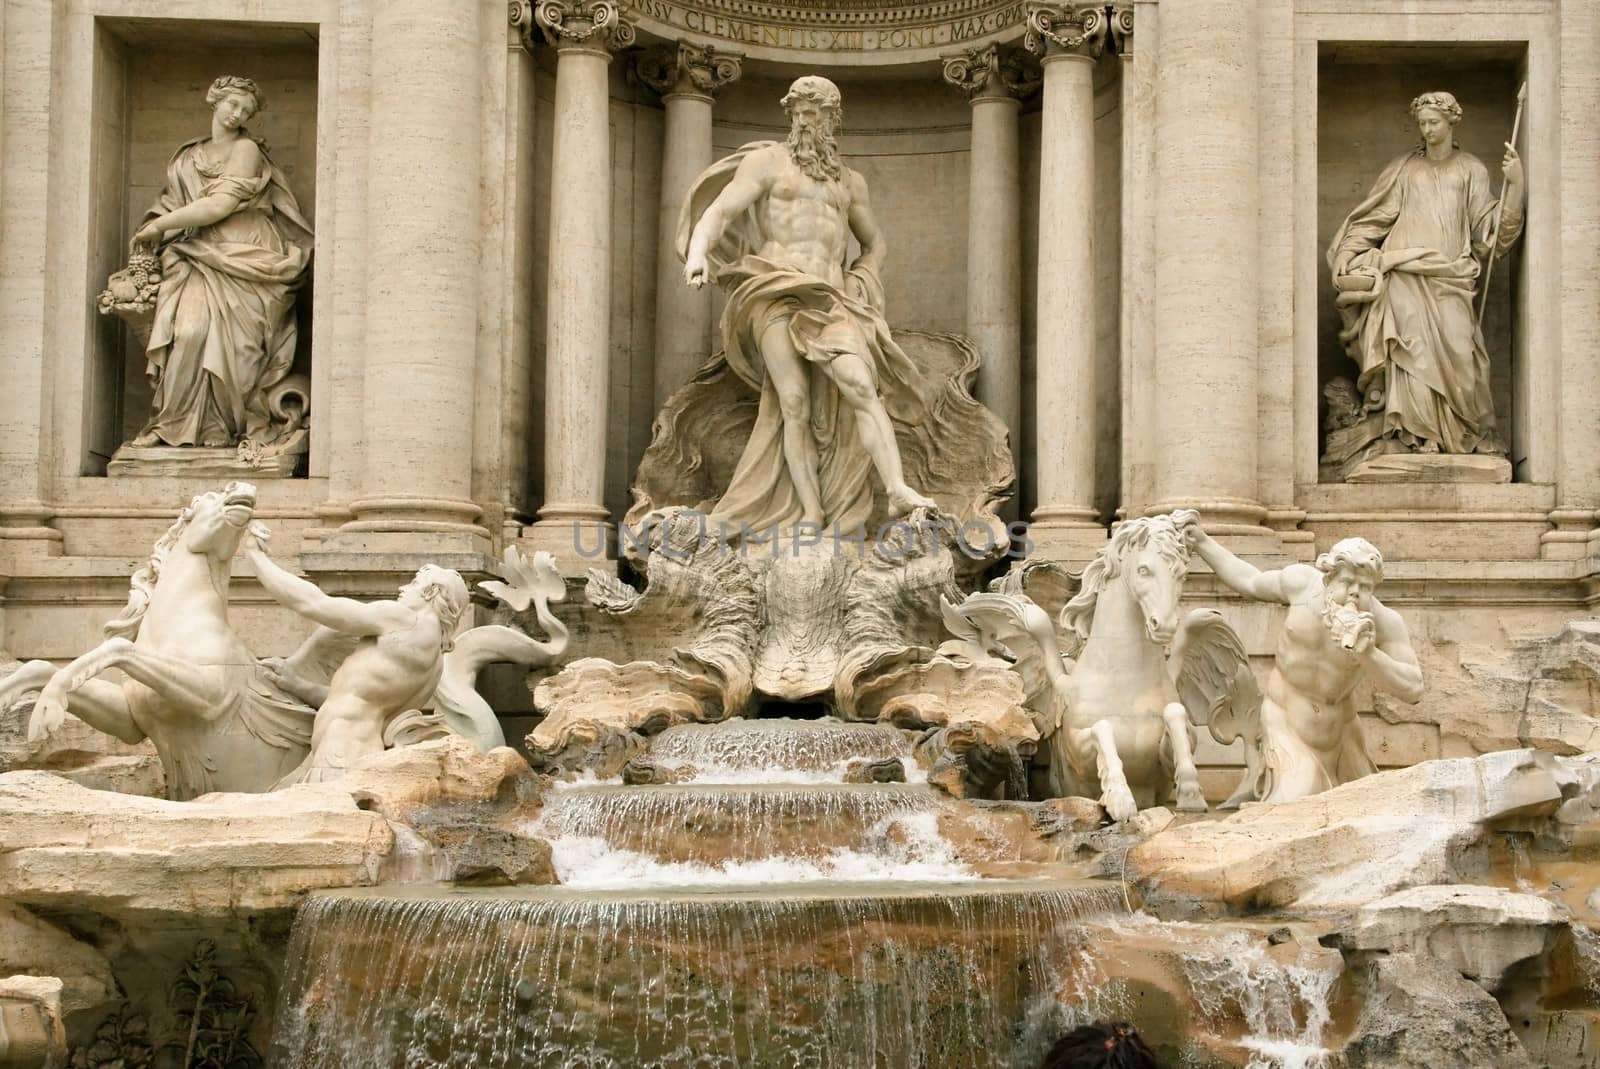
[(995, 80), (1207, 301), (584, 34), (1576, 519), (687, 77), (1137, 324), (423, 277), (1069, 38), (26, 39)]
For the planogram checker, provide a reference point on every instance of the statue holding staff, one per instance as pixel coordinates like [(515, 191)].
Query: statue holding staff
[(1406, 266)]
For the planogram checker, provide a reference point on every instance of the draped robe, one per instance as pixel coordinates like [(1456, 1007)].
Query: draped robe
[(1423, 232), (824, 321), (224, 331)]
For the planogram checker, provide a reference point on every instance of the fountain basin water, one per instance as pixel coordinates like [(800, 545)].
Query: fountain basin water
[(876, 973)]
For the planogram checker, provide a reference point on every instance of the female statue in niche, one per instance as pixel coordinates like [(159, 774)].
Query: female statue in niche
[(233, 250), (1406, 264)]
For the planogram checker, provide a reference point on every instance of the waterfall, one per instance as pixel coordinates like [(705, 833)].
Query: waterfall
[(883, 976)]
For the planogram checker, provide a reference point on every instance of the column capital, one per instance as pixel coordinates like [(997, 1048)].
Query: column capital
[(1122, 29), (1066, 29), (688, 68), (991, 72), (590, 24)]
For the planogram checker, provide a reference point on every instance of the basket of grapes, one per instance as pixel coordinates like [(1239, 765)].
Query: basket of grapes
[(130, 294)]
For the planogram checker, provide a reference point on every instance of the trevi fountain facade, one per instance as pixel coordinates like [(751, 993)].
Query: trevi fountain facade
[(710, 533)]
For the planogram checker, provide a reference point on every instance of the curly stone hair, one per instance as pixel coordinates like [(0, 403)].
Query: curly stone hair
[(1440, 101), (232, 83), (1356, 553)]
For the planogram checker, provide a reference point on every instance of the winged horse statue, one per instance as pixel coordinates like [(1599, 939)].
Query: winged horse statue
[(1118, 708), (220, 719)]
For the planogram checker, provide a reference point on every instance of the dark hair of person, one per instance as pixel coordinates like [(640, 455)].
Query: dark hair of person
[(1102, 1045)]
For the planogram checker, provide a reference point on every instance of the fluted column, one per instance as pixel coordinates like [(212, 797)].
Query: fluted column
[(1068, 38), (1206, 293), (422, 282), (995, 80), (687, 77), (573, 517)]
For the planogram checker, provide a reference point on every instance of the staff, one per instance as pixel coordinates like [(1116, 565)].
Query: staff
[(1494, 231)]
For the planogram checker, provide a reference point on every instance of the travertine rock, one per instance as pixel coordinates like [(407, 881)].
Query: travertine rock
[(1540, 693), (32, 1033), (1421, 1014), (1481, 932), (1347, 846), (436, 774), (480, 854), (66, 847), (32, 946)]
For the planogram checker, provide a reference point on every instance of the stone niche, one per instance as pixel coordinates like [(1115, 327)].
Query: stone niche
[(150, 80), (1364, 94)]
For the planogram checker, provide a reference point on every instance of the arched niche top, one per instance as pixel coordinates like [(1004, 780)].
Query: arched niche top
[(837, 33)]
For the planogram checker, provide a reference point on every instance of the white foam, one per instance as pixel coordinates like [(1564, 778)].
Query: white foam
[(907, 848)]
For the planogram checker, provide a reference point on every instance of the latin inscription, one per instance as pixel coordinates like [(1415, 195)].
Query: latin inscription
[(764, 35)]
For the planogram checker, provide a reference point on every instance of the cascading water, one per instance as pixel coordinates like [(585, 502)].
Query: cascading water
[(891, 975), (764, 915)]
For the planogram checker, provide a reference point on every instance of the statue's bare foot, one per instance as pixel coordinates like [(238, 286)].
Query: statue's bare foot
[(215, 443), (1428, 446), (903, 499), (145, 440)]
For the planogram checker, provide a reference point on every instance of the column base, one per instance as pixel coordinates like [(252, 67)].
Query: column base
[(578, 543), (1573, 537), (1239, 525), (1067, 541), (379, 574), (411, 525)]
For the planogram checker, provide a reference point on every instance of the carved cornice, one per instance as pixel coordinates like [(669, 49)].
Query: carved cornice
[(854, 14), (688, 68), (1066, 29), (1122, 29), (573, 23), (991, 72)]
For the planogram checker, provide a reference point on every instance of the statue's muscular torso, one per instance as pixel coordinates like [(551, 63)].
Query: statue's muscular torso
[(806, 222)]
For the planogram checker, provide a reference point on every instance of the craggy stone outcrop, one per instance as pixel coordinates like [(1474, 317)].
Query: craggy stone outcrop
[(1345, 847)]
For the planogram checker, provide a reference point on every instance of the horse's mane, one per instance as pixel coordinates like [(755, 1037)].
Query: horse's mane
[(143, 584), (1167, 531)]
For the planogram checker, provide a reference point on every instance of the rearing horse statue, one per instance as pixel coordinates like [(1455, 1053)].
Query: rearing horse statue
[(193, 688), (1119, 723)]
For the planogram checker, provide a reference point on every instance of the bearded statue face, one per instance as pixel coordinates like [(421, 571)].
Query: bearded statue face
[(811, 142)]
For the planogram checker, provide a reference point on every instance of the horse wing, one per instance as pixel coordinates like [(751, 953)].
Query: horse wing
[(1013, 628), (319, 656), (1214, 678)]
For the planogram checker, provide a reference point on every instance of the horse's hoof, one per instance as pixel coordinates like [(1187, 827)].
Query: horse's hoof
[(1120, 807), (1191, 801)]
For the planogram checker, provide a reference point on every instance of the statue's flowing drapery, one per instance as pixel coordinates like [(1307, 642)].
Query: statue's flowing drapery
[(224, 330), (823, 322), (1423, 231)]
